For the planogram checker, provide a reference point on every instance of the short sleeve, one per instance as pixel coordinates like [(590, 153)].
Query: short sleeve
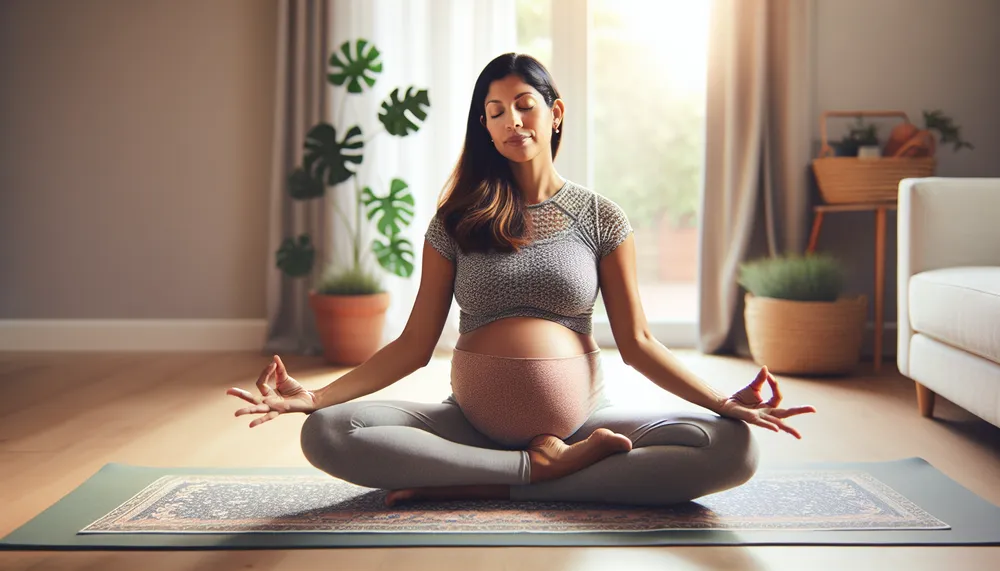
[(438, 237), (613, 226)]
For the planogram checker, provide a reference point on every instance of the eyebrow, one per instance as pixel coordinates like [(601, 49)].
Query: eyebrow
[(518, 96)]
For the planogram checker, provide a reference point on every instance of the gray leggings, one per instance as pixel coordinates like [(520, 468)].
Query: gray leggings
[(397, 444)]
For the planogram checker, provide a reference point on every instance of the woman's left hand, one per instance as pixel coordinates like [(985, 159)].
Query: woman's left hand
[(749, 406)]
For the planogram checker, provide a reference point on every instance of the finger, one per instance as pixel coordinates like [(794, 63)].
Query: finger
[(245, 395), (758, 382), (265, 376), (747, 397), (775, 399), (750, 394), (265, 373), (261, 420), (782, 425), (256, 409), (795, 410), (763, 423), (282, 372)]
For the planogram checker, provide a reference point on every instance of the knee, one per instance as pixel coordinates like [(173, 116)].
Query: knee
[(323, 439), (734, 451)]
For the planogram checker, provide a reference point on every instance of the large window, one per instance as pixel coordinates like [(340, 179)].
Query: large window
[(645, 75)]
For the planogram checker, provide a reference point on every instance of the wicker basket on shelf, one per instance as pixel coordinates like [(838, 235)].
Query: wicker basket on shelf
[(844, 180)]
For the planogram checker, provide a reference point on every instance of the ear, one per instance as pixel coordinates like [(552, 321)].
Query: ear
[(558, 111), (482, 119)]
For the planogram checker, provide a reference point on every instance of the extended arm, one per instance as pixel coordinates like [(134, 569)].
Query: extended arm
[(414, 347), (641, 351)]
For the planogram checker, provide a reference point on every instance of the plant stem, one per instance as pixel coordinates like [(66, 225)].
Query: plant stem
[(343, 218), (343, 106), (357, 220)]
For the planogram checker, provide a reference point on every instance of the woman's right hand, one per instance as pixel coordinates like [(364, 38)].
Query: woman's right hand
[(287, 395)]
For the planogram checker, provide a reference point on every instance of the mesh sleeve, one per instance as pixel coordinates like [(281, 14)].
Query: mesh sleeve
[(438, 237), (613, 226)]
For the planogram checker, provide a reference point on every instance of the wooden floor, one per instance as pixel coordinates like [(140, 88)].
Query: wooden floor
[(66, 414)]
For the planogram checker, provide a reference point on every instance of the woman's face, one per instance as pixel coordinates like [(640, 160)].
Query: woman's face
[(518, 120)]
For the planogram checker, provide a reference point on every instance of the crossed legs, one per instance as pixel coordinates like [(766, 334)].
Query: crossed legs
[(405, 445)]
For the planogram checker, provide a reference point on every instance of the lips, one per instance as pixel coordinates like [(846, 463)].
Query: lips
[(517, 139)]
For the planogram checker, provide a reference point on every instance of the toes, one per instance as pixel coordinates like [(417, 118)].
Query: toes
[(612, 440), (619, 444)]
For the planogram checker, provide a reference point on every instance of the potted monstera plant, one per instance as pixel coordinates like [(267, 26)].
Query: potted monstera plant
[(348, 300)]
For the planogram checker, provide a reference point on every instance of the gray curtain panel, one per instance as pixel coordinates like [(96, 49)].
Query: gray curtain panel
[(758, 148), (304, 43)]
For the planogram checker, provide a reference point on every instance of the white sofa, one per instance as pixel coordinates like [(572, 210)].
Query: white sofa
[(949, 292)]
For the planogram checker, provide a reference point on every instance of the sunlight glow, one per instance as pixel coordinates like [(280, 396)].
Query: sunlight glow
[(675, 33)]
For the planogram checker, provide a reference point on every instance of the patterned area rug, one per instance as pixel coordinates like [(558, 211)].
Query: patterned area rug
[(806, 500)]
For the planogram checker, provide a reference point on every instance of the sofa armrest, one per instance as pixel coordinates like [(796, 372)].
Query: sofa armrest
[(942, 223)]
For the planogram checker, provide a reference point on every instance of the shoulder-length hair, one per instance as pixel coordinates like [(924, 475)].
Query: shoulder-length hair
[(481, 208)]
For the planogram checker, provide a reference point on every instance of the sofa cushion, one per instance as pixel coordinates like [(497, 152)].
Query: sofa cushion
[(960, 307)]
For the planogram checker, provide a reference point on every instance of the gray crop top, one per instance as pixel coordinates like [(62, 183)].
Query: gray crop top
[(555, 277)]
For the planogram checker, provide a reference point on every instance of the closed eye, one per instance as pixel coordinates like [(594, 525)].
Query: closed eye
[(519, 109)]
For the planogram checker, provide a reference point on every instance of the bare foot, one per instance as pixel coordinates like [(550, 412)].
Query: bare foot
[(552, 458), (443, 493)]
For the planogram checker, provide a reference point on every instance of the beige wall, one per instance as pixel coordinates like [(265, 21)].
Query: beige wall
[(134, 157), (910, 55)]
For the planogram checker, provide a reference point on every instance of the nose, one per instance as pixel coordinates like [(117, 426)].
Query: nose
[(515, 121)]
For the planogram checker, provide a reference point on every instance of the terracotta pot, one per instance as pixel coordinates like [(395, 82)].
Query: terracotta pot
[(350, 326), (806, 337)]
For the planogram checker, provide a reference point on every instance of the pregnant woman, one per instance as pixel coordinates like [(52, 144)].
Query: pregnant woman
[(525, 253)]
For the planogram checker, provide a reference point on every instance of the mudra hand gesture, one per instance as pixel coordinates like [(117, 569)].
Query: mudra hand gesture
[(287, 395), (748, 405)]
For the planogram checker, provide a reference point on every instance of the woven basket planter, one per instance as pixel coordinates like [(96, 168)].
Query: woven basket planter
[(806, 337)]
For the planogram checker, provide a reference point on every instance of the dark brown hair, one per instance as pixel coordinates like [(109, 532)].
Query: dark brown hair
[(481, 207)]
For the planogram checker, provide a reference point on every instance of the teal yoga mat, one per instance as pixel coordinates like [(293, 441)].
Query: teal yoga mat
[(122, 507)]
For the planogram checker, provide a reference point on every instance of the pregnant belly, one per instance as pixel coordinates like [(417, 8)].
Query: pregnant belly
[(512, 400)]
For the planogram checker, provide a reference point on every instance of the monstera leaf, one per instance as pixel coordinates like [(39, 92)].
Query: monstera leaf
[(303, 187), (395, 210), (393, 114), (355, 68), (396, 256), (326, 158), (295, 257)]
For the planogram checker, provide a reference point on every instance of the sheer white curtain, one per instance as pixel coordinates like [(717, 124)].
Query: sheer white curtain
[(440, 45)]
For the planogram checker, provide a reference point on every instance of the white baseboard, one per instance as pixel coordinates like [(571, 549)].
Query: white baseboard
[(244, 335), (132, 334)]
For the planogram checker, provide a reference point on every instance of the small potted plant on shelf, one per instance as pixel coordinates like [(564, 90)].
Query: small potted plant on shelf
[(348, 301), (860, 141), (797, 319)]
